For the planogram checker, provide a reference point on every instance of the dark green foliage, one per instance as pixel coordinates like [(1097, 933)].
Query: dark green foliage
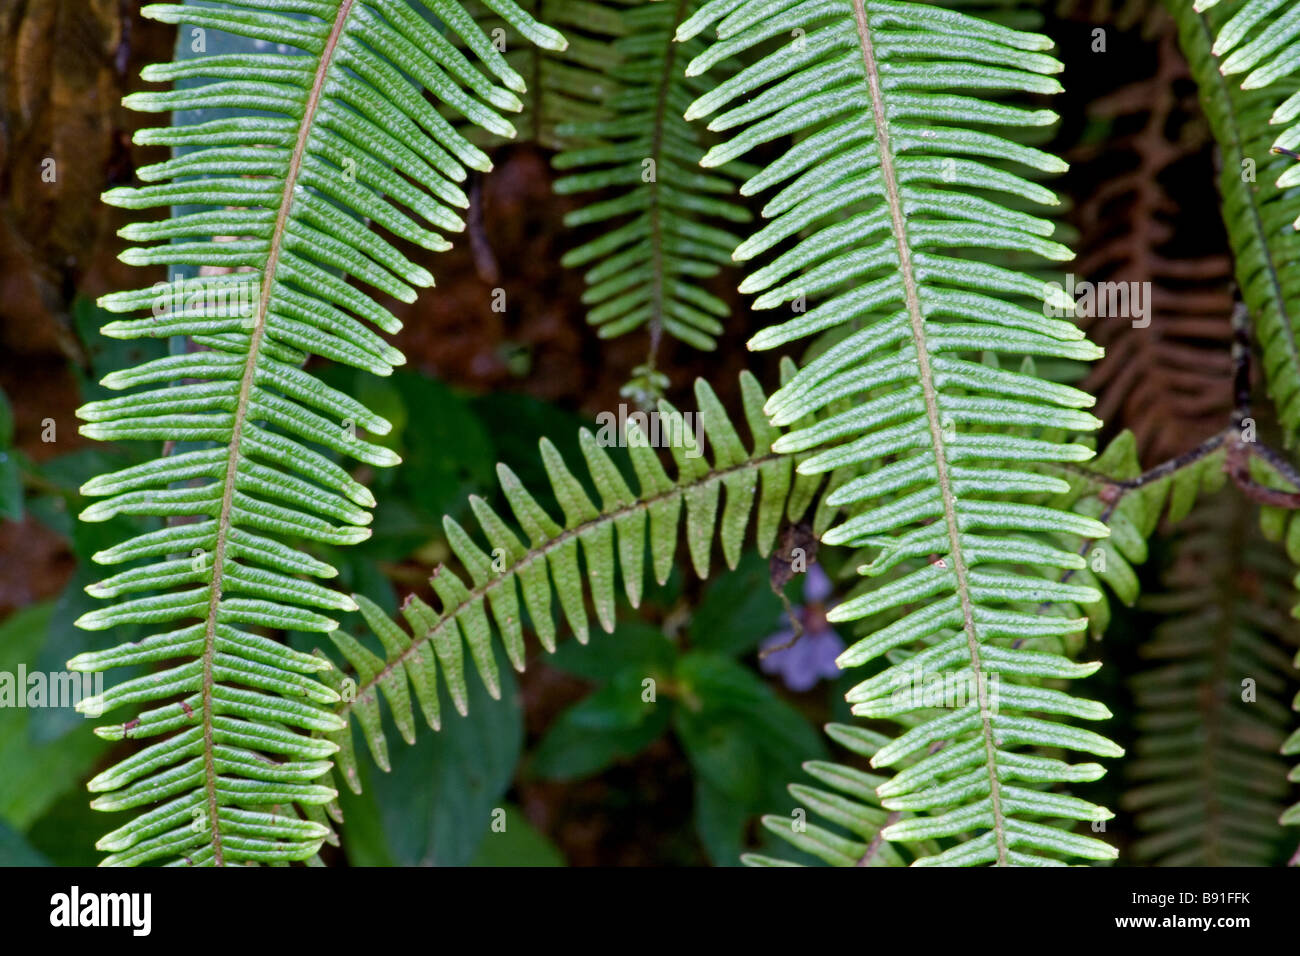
[(1208, 781)]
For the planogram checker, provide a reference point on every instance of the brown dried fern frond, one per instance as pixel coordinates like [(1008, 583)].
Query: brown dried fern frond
[(1170, 381)]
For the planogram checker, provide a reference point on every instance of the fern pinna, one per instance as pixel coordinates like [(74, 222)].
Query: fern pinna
[(891, 180), (349, 137)]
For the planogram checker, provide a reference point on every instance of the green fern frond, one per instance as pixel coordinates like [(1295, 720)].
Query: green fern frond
[(1259, 205), (1258, 38), (611, 537), (1210, 785), (659, 238), (341, 135), (890, 170)]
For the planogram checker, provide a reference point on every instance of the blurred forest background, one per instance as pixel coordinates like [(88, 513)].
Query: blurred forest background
[(580, 785)]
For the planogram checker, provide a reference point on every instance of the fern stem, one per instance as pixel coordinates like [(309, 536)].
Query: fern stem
[(1165, 469), (256, 336), (656, 323), (926, 378)]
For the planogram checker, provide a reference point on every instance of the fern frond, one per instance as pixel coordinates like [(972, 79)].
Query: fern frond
[(341, 134), (659, 235), (1259, 207), (1258, 38), (611, 537), (1209, 781), (1105, 492), (891, 169)]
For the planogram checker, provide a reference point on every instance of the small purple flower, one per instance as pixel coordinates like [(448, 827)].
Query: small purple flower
[(812, 657)]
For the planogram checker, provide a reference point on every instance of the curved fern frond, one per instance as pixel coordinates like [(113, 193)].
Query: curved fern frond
[(659, 236), (611, 538), (891, 169), (1259, 206), (1210, 784), (341, 134)]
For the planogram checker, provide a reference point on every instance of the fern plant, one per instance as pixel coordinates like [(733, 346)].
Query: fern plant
[(1261, 211), (286, 198), (890, 148), (881, 176)]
